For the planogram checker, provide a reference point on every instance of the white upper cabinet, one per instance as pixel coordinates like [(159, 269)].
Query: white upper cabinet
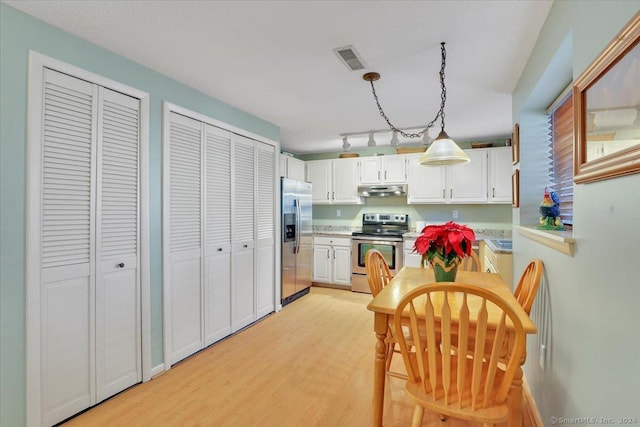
[(319, 175), (291, 168), (426, 184), (333, 181), (466, 183), (383, 170), (500, 170), (345, 181)]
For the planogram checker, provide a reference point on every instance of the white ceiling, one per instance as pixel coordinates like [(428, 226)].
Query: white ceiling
[(275, 59)]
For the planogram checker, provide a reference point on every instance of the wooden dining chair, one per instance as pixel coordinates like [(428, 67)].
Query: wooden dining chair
[(470, 263), (528, 285), (379, 276), (378, 273), (463, 384)]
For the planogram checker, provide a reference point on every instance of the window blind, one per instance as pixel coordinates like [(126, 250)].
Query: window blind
[(561, 118)]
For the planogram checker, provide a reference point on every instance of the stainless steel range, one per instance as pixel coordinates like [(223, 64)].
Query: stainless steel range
[(382, 232)]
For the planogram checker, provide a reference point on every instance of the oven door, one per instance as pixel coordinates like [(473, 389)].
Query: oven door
[(391, 250)]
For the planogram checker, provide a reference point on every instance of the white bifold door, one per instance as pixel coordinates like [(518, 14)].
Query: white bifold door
[(218, 186), (89, 245)]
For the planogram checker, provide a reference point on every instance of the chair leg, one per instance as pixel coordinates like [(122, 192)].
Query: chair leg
[(390, 348), (418, 412)]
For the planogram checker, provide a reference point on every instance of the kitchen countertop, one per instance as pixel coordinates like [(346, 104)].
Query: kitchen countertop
[(494, 245), (488, 235)]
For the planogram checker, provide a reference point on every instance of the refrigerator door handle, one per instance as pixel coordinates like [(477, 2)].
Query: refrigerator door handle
[(296, 203)]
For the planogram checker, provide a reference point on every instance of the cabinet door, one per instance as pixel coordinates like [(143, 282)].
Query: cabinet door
[(345, 181), (319, 175), (370, 170), (217, 211), (322, 263), (342, 265), (468, 182), (500, 169), (394, 169), (295, 169), (426, 183)]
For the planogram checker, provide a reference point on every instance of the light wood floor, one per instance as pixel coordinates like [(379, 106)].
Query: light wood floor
[(309, 365)]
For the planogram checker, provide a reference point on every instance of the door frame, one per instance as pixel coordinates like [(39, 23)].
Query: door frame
[(37, 63), (167, 109)]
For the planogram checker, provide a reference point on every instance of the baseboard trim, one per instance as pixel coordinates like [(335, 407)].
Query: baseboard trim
[(157, 371), (530, 414)]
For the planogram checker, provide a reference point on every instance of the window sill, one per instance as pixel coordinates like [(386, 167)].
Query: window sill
[(561, 241)]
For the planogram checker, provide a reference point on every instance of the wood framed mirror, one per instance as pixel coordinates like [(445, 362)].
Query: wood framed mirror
[(607, 110)]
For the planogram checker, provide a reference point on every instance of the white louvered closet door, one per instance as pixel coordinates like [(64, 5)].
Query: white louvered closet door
[(90, 286), (243, 290), (265, 232), (185, 220), (68, 242), (217, 254), (118, 335)]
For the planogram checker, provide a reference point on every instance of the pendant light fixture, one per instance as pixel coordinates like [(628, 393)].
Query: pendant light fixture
[(443, 150)]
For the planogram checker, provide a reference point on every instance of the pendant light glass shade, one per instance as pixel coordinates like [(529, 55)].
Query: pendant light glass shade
[(443, 151)]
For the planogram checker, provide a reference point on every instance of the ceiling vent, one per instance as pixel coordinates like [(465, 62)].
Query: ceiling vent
[(350, 57)]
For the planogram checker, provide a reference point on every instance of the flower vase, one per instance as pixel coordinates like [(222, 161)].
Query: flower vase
[(442, 271)]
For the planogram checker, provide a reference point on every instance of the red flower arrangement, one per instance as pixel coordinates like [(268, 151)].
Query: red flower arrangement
[(450, 241)]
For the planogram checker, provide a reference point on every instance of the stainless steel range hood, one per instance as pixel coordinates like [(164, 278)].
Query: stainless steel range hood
[(396, 190)]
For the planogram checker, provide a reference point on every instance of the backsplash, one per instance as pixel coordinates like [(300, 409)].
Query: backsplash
[(477, 217)]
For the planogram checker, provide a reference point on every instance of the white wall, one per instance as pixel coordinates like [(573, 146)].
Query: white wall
[(587, 308)]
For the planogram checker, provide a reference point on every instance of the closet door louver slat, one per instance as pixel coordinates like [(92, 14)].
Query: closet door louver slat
[(266, 196), (67, 174), (243, 205), (218, 184), (185, 186), (119, 176)]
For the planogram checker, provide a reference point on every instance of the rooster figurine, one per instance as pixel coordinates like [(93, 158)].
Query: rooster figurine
[(550, 211)]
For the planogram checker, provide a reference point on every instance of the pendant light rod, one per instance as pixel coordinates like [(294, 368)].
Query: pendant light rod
[(373, 76)]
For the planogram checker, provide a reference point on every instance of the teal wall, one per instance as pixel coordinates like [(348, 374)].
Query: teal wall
[(587, 307), (476, 216), (20, 33)]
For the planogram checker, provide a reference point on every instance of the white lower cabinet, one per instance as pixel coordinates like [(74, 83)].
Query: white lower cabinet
[(411, 259), (332, 260)]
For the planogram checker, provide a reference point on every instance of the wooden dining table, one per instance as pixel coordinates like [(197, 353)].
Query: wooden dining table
[(384, 305)]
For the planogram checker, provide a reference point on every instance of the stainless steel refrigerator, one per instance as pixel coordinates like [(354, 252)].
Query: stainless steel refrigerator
[(297, 239)]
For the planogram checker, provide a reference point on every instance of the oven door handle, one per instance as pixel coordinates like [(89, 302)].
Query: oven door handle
[(377, 242)]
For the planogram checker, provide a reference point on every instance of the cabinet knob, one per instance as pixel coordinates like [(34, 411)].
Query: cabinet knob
[(121, 265), (245, 245), (219, 249)]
